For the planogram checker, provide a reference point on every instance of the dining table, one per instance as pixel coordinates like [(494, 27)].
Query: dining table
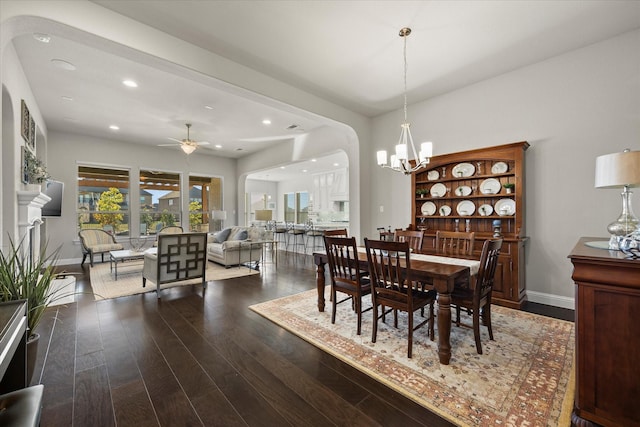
[(439, 273)]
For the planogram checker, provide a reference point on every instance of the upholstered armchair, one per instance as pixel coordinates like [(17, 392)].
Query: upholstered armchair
[(95, 241), (177, 258), (169, 229)]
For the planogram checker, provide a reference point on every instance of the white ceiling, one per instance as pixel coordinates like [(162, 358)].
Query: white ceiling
[(348, 52)]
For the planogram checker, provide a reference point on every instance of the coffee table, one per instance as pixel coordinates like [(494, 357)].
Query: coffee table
[(120, 256)]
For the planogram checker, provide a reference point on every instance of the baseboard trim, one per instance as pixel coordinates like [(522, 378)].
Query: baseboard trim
[(550, 299)]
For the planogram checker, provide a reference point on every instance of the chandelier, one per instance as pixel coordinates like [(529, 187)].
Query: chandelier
[(401, 160)]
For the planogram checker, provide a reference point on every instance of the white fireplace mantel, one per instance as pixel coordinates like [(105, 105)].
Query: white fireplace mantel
[(30, 205)]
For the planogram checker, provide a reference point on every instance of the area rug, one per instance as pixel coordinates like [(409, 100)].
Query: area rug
[(130, 278), (524, 377)]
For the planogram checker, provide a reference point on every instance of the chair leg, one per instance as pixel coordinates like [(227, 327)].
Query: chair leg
[(476, 330), (410, 337), (432, 319), (374, 329), (144, 282), (84, 256), (486, 315), (359, 314), (334, 298), (91, 259)]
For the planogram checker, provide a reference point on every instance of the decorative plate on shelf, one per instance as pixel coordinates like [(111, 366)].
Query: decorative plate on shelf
[(428, 208), (463, 170), (438, 190), (432, 175), (463, 190), (445, 210), (466, 207), (490, 186), (485, 210), (499, 167), (505, 207)]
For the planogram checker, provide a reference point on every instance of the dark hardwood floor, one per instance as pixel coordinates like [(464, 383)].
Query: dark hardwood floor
[(192, 360)]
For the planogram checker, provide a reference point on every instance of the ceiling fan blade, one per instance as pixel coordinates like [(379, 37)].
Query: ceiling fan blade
[(173, 139), (169, 145), (203, 143)]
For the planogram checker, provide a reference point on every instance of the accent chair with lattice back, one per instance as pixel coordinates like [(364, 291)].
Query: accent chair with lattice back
[(178, 257)]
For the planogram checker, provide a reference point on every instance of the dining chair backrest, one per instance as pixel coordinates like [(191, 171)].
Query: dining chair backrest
[(487, 270), (340, 232), (413, 237), (342, 257), (454, 242), (388, 263)]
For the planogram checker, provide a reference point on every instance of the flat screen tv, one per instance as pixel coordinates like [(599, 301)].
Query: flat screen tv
[(53, 208)]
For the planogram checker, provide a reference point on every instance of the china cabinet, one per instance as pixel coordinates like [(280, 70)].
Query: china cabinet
[(478, 190)]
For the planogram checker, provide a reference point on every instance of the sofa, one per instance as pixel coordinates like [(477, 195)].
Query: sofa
[(237, 245)]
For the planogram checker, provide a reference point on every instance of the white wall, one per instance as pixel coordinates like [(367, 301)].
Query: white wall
[(571, 109), (66, 151)]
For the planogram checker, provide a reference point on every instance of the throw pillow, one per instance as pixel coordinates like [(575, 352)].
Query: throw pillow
[(240, 235), (221, 236)]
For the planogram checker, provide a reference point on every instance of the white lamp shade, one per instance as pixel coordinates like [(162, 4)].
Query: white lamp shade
[(401, 151), (219, 215), (382, 157), (395, 162), (263, 215), (618, 169), (426, 150)]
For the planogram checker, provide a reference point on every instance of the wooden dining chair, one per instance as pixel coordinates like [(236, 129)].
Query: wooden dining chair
[(339, 232), (342, 256), (479, 298), (454, 243), (391, 291), (413, 237)]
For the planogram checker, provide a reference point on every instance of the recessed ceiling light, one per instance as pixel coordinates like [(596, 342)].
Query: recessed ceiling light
[(313, 160), (266, 122), (60, 63), (41, 37), (67, 98), (129, 83), (208, 107), (304, 170), (218, 146), (114, 127), (281, 167), (336, 164), (70, 119)]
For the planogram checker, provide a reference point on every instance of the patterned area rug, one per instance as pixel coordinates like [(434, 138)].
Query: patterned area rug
[(524, 378), (130, 278)]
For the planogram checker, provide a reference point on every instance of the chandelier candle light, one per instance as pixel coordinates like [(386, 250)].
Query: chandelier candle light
[(400, 161)]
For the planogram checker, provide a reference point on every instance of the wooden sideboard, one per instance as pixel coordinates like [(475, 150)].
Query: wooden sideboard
[(607, 298), (466, 189)]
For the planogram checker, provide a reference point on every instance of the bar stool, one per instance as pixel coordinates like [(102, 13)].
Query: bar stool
[(280, 233), (297, 234), (315, 235)]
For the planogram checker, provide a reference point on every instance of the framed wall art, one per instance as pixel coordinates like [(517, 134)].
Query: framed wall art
[(31, 142), (25, 121)]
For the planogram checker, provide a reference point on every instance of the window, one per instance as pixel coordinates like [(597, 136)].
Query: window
[(205, 195), (289, 207), (302, 207), (160, 200), (296, 207), (103, 199)]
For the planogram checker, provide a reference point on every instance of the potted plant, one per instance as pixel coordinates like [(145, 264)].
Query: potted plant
[(509, 186), (25, 278), (421, 192)]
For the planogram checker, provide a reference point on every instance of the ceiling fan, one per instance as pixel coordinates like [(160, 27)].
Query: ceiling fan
[(187, 145)]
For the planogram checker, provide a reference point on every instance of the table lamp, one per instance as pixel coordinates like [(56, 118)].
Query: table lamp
[(264, 214), (218, 217), (620, 170)]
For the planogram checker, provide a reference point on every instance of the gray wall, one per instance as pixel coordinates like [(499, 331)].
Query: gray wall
[(571, 109), (66, 151)]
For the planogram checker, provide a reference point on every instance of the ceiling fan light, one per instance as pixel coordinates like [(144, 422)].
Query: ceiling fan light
[(188, 148)]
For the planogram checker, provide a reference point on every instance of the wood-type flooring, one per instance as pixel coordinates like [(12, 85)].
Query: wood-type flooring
[(189, 360)]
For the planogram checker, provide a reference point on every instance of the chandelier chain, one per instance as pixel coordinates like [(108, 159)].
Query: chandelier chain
[(405, 76)]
